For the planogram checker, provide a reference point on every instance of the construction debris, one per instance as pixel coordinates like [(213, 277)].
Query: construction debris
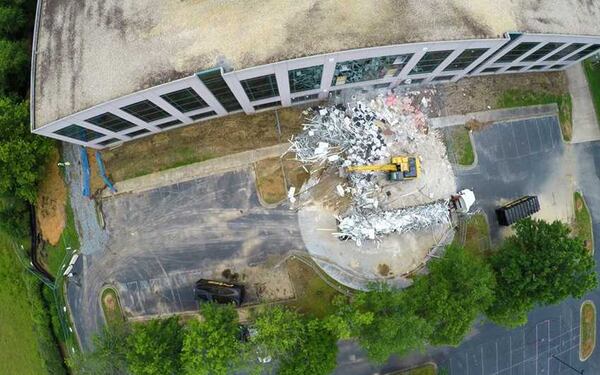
[(356, 134), (360, 225)]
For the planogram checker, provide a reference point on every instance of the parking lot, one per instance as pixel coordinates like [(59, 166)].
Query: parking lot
[(161, 241)]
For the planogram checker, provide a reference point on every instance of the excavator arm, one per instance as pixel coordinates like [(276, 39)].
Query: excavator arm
[(373, 168)]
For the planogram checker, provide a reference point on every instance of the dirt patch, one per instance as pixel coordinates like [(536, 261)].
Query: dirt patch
[(270, 181), (383, 269), (476, 94), (265, 283), (50, 205), (96, 182), (109, 302), (201, 141), (295, 173)]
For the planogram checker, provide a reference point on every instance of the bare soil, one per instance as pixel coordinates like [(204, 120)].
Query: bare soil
[(295, 173), (50, 205), (201, 141), (476, 94), (270, 181), (96, 182)]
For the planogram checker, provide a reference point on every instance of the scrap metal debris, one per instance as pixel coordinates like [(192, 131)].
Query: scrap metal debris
[(337, 137)]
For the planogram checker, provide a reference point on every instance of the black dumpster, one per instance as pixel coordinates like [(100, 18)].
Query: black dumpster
[(517, 210)]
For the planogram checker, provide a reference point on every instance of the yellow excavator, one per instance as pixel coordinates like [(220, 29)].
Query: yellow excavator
[(400, 168)]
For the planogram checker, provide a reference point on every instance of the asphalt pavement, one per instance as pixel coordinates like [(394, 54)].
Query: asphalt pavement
[(515, 158), (161, 241)]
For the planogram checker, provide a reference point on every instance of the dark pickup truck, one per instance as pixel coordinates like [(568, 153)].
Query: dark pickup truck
[(219, 292)]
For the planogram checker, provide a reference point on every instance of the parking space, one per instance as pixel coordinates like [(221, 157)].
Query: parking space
[(516, 158), (530, 350)]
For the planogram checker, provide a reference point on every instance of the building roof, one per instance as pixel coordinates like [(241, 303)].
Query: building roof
[(92, 51)]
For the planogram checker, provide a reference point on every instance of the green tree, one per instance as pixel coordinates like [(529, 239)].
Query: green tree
[(154, 348), (316, 353), (458, 287), (108, 356), (212, 346), (14, 67), (22, 154), (541, 264), (12, 21), (278, 331), (387, 325)]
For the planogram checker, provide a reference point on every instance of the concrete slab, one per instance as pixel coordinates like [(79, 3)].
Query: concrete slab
[(585, 122)]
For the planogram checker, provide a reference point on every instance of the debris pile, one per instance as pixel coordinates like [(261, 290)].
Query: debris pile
[(340, 137), (337, 137), (360, 225)]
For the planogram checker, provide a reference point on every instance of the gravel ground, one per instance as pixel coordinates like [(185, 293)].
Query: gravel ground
[(92, 237)]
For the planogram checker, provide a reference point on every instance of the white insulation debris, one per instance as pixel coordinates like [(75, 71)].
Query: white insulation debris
[(362, 225)]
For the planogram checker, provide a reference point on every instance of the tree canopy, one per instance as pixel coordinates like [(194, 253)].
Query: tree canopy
[(109, 355), (541, 264), (154, 348), (212, 347), (316, 353), (278, 331), (458, 287), (22, 154)]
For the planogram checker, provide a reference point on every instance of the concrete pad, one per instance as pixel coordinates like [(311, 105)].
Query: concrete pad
[(585, 122)]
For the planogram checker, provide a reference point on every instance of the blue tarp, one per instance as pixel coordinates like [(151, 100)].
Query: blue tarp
[(85, 169), (103, 172)]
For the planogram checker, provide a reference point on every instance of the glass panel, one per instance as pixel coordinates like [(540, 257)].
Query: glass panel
[(517, 52), (430, 61), (466, 58), (305, 98), (110, 122), (537, 67), (559, 66), (215, 83), (305, 79), (584, 52), (490, 70), (146, 111), (260, 87), (443, 78), (541, 52), (203, 115), (565, 51), (108, 141), (267, 105), (79, 132), (168, 124), (137, 132), (513, 68), (185, 100), (369, 69)]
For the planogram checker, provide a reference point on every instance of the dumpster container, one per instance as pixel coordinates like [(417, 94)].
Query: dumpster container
[(518, 209)]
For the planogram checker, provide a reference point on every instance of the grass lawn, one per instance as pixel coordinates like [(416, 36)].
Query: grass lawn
[(477, 237), (592, 72), (520, 98), (313, 295), (588, 330), (270, 181), (459, 145), (111, 305), (26, 344), (52, 256), (582, 227), (202, 141), (428, 369)]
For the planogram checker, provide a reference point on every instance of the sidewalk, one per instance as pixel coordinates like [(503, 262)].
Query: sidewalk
[(496, 115), (585, 125), (197, 170)]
